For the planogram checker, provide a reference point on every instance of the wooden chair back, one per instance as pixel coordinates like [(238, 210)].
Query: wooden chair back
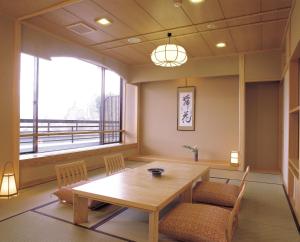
[(114, 164), (233, 218), (245, 176), (70, 173)]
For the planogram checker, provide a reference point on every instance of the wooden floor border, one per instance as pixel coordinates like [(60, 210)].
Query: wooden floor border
[(292, 210), (94, 227)]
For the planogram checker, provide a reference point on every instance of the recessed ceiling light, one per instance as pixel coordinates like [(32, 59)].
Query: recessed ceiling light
[(221, 45), (134, 40), (177, 3), (103, 21), (197, 1)]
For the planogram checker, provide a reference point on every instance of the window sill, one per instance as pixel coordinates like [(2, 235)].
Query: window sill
[(64, 155)]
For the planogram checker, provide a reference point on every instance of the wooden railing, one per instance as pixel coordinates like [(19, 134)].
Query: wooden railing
[(55, 130)]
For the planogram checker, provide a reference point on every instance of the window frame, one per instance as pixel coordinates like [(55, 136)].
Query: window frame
[(35, 118)]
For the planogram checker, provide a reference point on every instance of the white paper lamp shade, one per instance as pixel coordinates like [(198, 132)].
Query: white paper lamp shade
[(8, 186), (234, 158), (169, 55)]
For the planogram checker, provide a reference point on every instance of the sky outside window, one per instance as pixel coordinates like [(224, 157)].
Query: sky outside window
[(26, 86), (69, 89)]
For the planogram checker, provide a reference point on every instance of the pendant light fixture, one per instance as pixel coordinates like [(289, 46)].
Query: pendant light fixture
[(169, 55)]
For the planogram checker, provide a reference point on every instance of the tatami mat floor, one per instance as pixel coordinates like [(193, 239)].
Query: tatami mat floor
[(35, 216)]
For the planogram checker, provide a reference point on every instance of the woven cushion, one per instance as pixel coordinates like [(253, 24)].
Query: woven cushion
[(65, 194), (196, 223), (216, 193)]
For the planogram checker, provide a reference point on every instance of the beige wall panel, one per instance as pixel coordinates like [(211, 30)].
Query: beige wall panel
[(273, 34), (165, 13), (262, 125), (131, 113), (194, 44), (203, 12), (247, 38), (45, 45), (216, 36), (90, 11), (202, 67), (216, 118), (139, 19), (6, 90), (280, 123), (235, 8), (263, 66), (267, 5), (39, 173)]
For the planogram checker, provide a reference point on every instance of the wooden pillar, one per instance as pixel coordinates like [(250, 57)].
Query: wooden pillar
[(242, 111), (138, 118), (16, 100)]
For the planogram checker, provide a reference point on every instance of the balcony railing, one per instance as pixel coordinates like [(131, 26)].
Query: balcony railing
[(54, 134)]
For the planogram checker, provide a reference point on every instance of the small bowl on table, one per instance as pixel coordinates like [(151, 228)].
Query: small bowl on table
[(156, 171)]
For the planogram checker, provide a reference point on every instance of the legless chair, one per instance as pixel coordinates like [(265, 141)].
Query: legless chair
[(71, 175), (201, 222), (218, 193), (114, 164)]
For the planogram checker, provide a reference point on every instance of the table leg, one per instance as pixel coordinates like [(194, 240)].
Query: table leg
[(80, 209), (153, 226), (186, 196), (205, 176)]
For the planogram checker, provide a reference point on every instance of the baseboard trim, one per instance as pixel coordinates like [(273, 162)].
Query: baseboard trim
[(213, 164)]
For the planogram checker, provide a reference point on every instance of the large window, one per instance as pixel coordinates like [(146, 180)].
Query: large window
[(68, 103)]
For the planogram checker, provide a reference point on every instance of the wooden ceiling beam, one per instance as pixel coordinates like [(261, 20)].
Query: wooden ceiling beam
[(198, 31), (209, 22), (288, 24)]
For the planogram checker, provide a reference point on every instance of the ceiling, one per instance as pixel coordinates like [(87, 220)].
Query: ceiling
[(244, 25)]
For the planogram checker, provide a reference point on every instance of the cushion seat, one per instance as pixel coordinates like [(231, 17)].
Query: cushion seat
[(216, 193), (196, 223), (65, 194)]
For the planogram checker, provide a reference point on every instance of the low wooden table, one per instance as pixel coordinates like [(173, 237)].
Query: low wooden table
[(137, 188)]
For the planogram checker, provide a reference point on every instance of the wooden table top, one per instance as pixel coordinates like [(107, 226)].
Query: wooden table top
[(139, 189)]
